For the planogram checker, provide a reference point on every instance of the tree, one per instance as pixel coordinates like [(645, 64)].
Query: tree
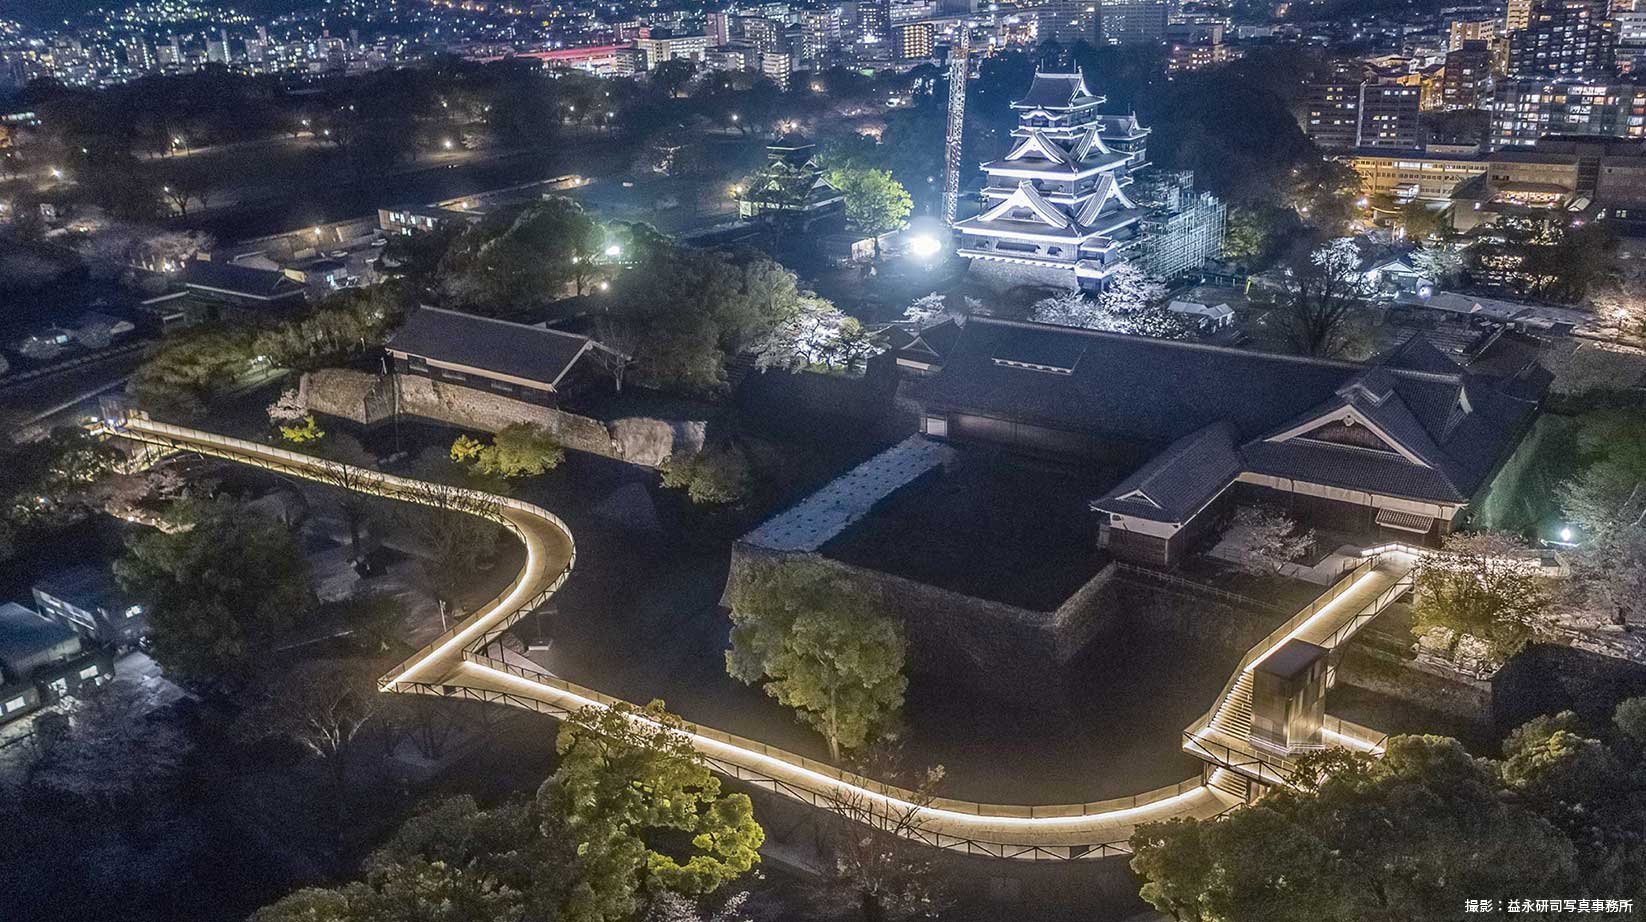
[(1446, 829), (517, 450), (875, 202), (672, 76), (715, 477), (926, 309), (1075, 309), (506, 264), (820, 646), (185, 372), (306, 431), (1484, 585), (888, 873), (322, 706), (187, 183), (626, 773), (1327, 291), (113, 751), (457, 530), (50, 480), (615, 345), (1129, 290), (217, 592), (1441, 263), (1266, 539), (374, 619)]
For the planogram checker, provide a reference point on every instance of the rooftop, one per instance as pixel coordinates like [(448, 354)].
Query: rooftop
[(1414, 423), (85, 586), (535, 354), (24, 634), (240, 281)]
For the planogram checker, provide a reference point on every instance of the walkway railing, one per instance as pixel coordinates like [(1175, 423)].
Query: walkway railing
[(460, 662)]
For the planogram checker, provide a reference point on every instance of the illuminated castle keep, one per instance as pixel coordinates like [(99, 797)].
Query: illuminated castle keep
[(1055, 208)]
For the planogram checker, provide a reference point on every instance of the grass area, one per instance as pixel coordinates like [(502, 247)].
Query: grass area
[(1522, 497)]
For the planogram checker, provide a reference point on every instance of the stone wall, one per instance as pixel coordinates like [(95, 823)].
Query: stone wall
[(1404, 680), (1003, 276), (1000, 650), (367, 398), (1015, 654)]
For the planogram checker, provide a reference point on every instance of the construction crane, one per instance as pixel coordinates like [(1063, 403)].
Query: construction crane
[(957, 121)]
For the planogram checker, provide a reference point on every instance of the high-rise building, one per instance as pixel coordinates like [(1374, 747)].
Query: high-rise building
[(1630, 31), (819, 31), (1517, 16), (1467, 76), (1055, 207), (217, 50), (1471, 30), (1563, 38), (874, 20), (717, 25), (1133, 22), (1192, 46), (914, 41), (1525, 110), (1389, 114), (1067, 21), (777, 66), (1331, 107), (760, 32)]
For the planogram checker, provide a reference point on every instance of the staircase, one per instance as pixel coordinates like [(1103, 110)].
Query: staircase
[(1234, 713), (1232, 783)]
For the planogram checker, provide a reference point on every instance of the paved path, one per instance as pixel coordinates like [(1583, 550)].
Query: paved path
[(809, 524), (466, 662)]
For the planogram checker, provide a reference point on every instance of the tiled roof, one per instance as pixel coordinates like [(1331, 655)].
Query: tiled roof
[(1179, 481), (514, 349), (239, 281), (1055, 91), (1201, 403)]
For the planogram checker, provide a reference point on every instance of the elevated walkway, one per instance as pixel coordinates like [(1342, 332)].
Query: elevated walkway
[(1223, 735), (468, 662)]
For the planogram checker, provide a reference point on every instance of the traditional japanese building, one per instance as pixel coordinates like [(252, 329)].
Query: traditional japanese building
[(790, 186), (1396, 449), (1056, 210)]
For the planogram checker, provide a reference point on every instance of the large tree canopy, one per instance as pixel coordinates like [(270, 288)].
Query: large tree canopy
[(820, 646), (217, 591), (1413, 834)]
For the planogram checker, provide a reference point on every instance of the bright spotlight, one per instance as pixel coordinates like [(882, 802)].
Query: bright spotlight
[(1565, 534), (614, 250), (925, 246)]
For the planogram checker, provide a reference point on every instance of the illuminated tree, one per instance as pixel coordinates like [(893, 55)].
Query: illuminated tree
[(820, 646), (875, 202), (1485, 585), (517, 450), (627, 773)]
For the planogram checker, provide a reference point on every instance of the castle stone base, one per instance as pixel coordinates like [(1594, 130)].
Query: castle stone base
[(1003, 277)]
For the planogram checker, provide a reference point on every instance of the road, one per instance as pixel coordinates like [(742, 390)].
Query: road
[(39, 399), (331, 194), (468, 662)]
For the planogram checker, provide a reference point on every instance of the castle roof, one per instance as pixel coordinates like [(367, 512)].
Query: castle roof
[(1057, 91), (1413, 424)]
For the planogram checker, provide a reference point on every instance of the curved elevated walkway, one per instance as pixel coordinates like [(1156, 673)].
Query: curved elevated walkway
[(466, 662)]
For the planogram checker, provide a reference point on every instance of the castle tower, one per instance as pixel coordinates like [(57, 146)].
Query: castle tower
[(1055, 209)]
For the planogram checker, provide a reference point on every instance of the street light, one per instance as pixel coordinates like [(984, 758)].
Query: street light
[(925, 246), (614, 251), (56, 173), (447, 144)]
